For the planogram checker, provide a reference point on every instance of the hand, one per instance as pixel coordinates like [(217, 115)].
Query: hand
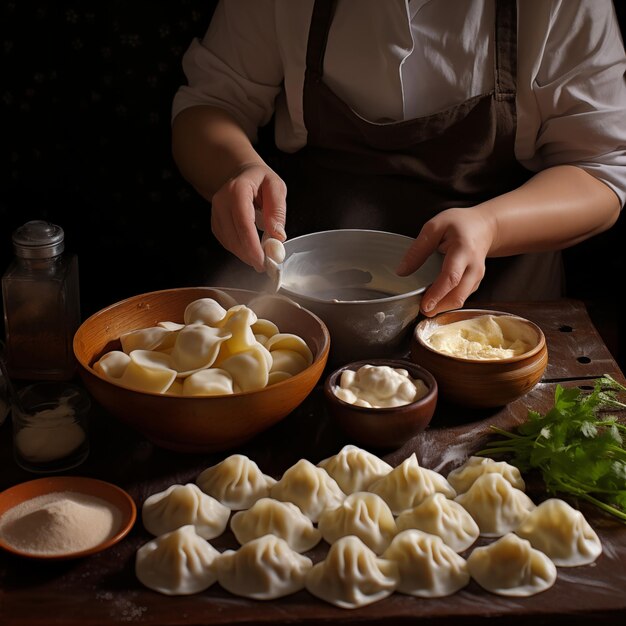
[(465, 237), (255, 189)]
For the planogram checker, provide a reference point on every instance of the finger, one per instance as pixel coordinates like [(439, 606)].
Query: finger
[(424, 245), (273, 193), (258, 219), (453, 269), (455, 297), (225, 232), (243, 227)]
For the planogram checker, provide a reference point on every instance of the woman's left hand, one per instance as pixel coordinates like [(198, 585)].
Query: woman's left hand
[(465, 237)]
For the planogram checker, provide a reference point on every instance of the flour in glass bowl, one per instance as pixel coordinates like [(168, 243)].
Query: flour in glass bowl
[(59, 523)]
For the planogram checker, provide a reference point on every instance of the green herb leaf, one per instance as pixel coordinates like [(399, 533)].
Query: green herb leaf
[(577, 450)]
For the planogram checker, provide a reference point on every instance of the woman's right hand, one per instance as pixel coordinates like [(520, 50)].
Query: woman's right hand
[(254, 192), (464, 236)]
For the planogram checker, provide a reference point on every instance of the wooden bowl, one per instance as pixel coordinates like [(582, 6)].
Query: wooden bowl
[(197, 424), (113, 494), (479, 382), (382, 427)]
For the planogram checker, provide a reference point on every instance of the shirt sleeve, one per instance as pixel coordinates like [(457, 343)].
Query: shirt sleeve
[(573, 110), (236, 66)]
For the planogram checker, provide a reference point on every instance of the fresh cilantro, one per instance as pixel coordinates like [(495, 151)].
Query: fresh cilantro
[(576, 446)]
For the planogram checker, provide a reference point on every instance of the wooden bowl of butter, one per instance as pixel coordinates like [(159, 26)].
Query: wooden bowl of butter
[(481, 358), (381, 403)]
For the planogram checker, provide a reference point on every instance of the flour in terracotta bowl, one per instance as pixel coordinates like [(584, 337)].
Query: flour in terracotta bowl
[(59, 523)]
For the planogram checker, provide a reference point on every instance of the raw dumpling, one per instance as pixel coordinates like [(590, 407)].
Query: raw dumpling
[(282, 519), (309, 488), (177, 563), (427, 567), (204, 311), (510, 566), (352, 575), (355, 469), (277, 377), (171, 326), (262, 569), (409, 484), (242, 337), (237, 482), (291, 343), (463, 477), (176, 388), (445, 518), (210, 382), (562, 533), (148, 371), (288, 361), (265, 328), (197, 347), (113, 364), (249, 369), (182, 505), (155, 338), (362, 514), (496, 506)]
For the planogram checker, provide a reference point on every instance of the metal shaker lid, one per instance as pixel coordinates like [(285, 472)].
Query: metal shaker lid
[(38, 240)]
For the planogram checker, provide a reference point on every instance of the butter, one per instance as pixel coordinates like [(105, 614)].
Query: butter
[(486, 337), (379, 386)]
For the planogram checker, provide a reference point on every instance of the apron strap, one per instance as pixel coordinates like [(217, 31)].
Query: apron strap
[(506, 49), (323, 11)]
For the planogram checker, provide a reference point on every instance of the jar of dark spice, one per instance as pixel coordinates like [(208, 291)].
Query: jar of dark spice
[(41, 304)]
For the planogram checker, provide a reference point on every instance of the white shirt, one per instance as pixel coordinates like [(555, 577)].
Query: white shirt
[(394, 60)]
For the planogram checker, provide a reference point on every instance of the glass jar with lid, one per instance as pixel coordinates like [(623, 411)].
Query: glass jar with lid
[(41, 302)]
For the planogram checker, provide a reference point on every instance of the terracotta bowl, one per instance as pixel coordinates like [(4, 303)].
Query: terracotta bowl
[(478, 382), (197, 424), (113, 494), (382, 427)]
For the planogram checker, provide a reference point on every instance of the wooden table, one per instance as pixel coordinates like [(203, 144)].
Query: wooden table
[(102, 589)]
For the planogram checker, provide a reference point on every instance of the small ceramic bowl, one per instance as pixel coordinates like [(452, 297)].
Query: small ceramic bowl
[(474, 382), (382, 427), (103, 490)]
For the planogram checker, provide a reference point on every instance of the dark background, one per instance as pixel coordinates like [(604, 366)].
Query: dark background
[(85, 104)]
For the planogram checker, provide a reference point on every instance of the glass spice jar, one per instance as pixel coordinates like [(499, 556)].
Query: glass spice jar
[(41, 304)]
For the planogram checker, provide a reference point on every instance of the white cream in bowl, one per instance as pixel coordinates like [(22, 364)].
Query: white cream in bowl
[(379, 386)]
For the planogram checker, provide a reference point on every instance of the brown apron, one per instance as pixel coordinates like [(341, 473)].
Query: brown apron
[(356, 173)]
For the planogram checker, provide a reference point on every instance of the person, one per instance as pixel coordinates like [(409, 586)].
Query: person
[(493, 131)]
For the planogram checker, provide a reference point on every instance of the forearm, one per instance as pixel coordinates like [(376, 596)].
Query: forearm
[(210, 147), (557, 208)]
